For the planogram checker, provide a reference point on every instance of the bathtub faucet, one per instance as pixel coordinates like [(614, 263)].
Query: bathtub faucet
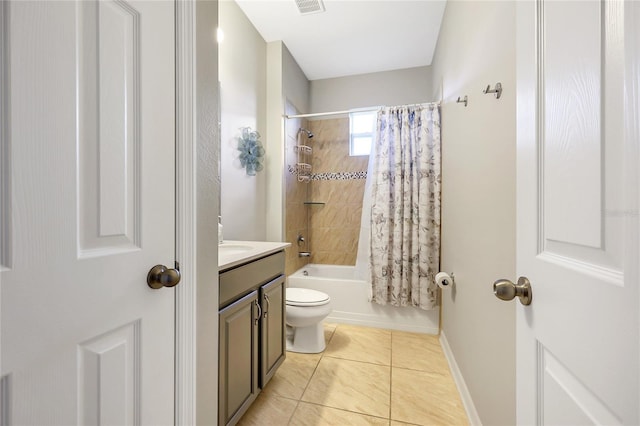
[(304, 254)]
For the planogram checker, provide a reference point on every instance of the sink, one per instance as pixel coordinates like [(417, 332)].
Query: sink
[(230, 249), (233, 253)]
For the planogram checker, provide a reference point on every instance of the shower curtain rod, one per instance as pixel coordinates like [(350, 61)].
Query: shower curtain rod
[(320, 114), (367, 109)]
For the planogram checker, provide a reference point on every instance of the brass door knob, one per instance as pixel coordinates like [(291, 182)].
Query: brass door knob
[(506, 290), (160, 276)]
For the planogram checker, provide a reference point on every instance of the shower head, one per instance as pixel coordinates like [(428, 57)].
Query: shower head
[(309, 134)]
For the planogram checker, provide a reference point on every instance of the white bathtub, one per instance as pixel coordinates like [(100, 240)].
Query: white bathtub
[(349, 298)]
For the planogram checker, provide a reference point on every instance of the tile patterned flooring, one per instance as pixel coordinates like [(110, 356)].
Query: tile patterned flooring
[(366, 376)]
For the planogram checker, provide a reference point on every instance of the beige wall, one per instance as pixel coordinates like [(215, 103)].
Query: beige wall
[(398, 87), (243, 104), (477, 48)]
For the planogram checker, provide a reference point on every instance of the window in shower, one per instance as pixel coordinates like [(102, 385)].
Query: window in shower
[(362, 127)]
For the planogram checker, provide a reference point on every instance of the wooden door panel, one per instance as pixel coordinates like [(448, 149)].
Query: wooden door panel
[(577, 214), (571, 146), (580, 136), (109, 168), (90, 138), (566, 400), (109, 378)]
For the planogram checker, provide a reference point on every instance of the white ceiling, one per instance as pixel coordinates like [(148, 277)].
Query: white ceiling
[(351, 36)]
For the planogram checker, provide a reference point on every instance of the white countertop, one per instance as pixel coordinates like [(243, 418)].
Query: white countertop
[(234, 253)]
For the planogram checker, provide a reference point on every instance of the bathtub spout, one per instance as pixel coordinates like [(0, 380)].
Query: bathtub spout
[(304, 254)]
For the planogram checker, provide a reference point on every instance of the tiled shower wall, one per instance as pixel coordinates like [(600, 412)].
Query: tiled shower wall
[(338, 181), (331, 230)]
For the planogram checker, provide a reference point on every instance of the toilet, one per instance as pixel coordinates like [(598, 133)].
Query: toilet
[(305, 311)]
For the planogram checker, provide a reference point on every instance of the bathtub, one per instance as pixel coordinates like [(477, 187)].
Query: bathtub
[(349, 298)]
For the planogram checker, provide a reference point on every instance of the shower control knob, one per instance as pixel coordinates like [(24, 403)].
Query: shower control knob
[(506, 290)]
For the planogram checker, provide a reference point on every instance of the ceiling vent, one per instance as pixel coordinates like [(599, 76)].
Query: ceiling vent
[(307, 7)]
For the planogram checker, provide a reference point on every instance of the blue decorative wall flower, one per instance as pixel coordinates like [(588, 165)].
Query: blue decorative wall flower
[(251, 151)]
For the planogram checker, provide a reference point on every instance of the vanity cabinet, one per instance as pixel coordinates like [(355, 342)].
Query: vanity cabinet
[(273, 334), (252, 333), (238, 357)]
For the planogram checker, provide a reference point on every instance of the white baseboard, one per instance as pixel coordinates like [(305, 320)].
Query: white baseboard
[(376, 321), (469, 407)]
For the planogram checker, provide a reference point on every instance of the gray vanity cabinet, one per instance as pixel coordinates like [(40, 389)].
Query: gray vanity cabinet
[(251, 333), (238, 353), (272, 332)]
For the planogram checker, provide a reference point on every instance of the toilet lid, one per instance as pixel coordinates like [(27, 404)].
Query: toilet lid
[(306, 297)]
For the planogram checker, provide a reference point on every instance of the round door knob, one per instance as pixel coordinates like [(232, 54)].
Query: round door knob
[(506, 290), (160, 276)]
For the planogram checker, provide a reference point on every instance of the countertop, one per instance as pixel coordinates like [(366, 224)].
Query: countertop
[(239, 252)]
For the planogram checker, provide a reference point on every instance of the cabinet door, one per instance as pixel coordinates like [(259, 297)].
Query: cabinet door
[(238, 358), (272, 330)]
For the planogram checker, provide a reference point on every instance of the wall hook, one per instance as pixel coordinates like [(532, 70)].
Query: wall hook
[(464, 101), (497, 90)]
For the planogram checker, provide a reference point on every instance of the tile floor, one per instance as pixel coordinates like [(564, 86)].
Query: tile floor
[(366, 376)]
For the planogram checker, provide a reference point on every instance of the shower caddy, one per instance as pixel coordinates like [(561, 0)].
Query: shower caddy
[(303, 166)]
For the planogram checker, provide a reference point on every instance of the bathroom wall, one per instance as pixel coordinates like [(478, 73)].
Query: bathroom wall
[(274, 157), (296, 194), (476, 48), (243, 80), (287, 93), (339, 183), (398, 87), (295, 85)]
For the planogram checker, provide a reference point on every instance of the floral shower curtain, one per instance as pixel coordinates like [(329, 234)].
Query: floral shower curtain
[(405, 210)]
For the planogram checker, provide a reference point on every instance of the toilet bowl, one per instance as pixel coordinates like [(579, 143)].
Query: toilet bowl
[(305, 311)]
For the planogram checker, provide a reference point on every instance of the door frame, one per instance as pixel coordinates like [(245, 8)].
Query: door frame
[(632, 119), (185, 341), (197, 130)]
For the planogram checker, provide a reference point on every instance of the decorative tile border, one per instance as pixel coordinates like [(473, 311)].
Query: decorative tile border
[(333, 175), (339, 176)]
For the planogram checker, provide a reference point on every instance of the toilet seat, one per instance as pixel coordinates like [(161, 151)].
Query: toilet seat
[(305, 297)]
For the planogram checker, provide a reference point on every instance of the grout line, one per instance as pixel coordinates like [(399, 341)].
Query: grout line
[(294, 412), (315, 368), (359, 360), (345, 410)]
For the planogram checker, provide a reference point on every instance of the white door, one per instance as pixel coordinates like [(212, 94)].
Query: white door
[(578, 136), (88, 115)]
